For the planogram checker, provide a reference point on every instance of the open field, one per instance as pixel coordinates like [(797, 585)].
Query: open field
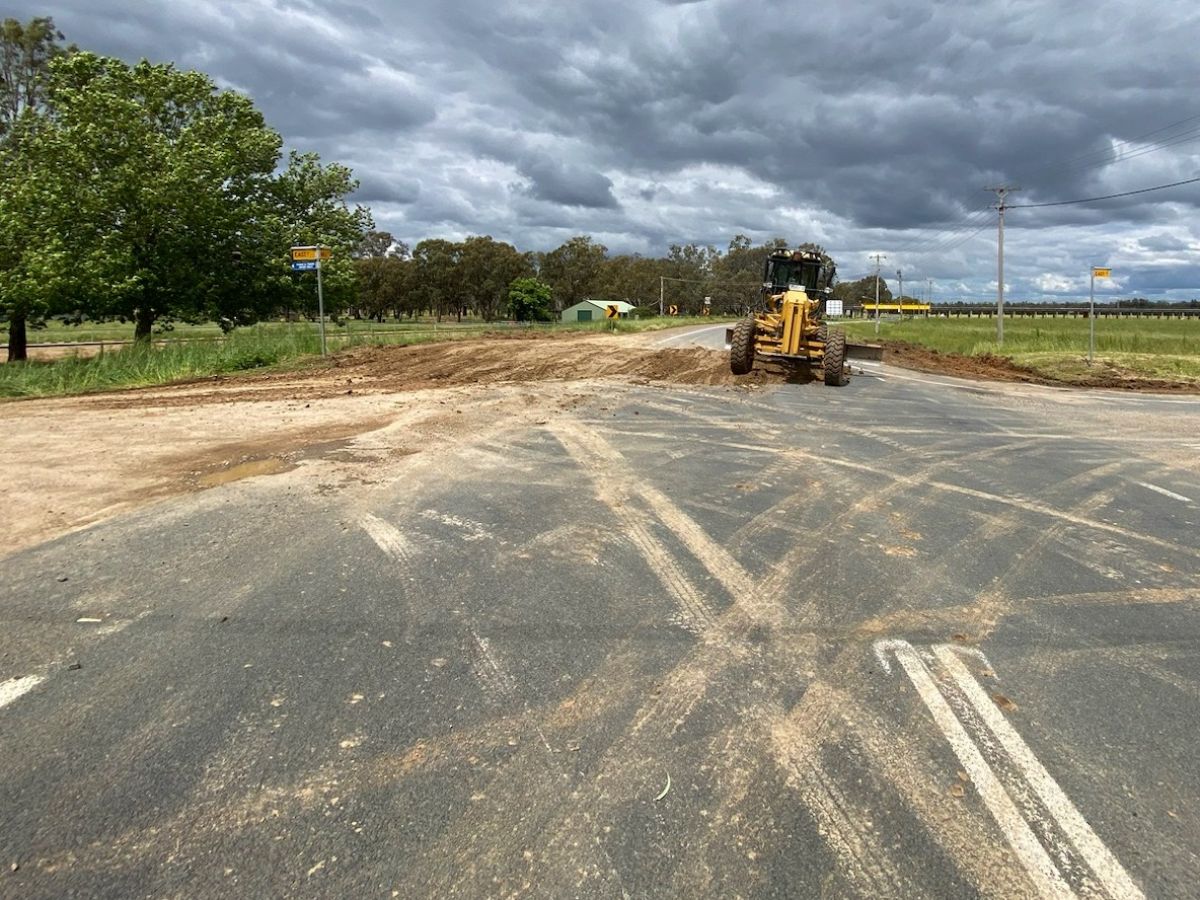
[(1167, 350), (195, 354)]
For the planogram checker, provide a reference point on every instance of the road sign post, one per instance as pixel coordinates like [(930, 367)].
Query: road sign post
[(308, 259), (1097, 272), (321, 308)]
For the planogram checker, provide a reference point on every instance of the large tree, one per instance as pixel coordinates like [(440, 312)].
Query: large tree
[(162, 192), (486, 269), (307, 205), (167, 174), (29, 274), (437, 283), (573, 270), (26, 51)]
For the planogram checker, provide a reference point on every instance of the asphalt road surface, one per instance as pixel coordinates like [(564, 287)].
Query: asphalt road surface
[(912, 637)]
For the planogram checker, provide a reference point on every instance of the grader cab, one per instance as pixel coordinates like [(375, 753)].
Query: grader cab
[(789, 328)]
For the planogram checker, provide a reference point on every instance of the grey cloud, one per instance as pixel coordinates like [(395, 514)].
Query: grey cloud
[(533, 120), (378, 189), (567, 184)]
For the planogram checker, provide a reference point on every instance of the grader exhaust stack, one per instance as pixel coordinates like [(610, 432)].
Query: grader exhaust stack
[(790, 328)]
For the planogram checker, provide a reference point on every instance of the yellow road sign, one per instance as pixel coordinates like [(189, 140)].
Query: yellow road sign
[(674, 310), (306, 253), (1101, 273), (611, 311)]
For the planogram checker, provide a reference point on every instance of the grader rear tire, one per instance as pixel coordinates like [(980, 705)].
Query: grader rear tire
[(835, 358), (741, 349)]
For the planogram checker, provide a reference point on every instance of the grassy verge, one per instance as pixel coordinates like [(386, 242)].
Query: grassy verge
[(1164, 349), (56, 332), (273, 345)]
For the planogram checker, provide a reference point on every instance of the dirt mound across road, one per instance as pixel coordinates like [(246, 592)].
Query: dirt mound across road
[(454, 364)]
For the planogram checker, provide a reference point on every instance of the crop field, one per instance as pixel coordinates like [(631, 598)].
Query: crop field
[(1167, 349)]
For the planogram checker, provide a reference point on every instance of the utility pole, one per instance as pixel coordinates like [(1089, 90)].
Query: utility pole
[(900, 304), (1001, 191), (879, 258), (660, 295)]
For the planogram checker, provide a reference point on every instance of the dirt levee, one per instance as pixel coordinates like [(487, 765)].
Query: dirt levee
[(489, 361), (453, 364)]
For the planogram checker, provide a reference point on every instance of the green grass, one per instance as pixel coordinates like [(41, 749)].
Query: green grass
[(56, 332), (272, 345), (1057, 348)]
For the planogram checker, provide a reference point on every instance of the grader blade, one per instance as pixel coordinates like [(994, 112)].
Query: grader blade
[(864, 351)]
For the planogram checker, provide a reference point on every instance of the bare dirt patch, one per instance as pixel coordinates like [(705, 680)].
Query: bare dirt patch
[(487, 361), (85, 459)]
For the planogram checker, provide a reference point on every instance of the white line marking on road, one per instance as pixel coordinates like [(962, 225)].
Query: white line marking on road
[(1033, 856), (15, 688), (389, 538), (1108, 870), (972, 651), (1164, 492)]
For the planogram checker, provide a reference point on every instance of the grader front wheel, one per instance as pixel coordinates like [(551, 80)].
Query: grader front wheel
[(741, 348), (835, 357)]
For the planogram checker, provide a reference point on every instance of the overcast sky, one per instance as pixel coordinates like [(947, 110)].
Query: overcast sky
[(865, 127)]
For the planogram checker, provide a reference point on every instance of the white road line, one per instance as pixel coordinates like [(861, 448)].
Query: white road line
[(16, 688), (1033, 856), (1108, 870), (1164, 492)]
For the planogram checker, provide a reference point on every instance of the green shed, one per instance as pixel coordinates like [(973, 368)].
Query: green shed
[(594, 310)]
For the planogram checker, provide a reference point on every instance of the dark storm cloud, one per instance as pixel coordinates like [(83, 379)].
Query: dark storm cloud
[(568, 185), (866, 127)]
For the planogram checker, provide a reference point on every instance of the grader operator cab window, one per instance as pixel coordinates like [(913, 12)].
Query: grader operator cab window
[(784, 272)]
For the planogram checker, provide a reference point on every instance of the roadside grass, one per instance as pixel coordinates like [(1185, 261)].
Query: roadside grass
[(1057, 348), (267, 346), (58, 332)]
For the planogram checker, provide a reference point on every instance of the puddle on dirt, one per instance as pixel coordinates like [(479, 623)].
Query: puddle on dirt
[(251, 468)]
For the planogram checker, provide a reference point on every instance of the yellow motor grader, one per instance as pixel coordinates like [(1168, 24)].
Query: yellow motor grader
[(789, 328)]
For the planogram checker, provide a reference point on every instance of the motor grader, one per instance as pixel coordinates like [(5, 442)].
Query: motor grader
[(789, 328)]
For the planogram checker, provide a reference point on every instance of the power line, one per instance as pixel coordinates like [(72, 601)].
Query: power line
[(1124, 150), (948, 233), (1157, 187), (954, 236), (754, 283)]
